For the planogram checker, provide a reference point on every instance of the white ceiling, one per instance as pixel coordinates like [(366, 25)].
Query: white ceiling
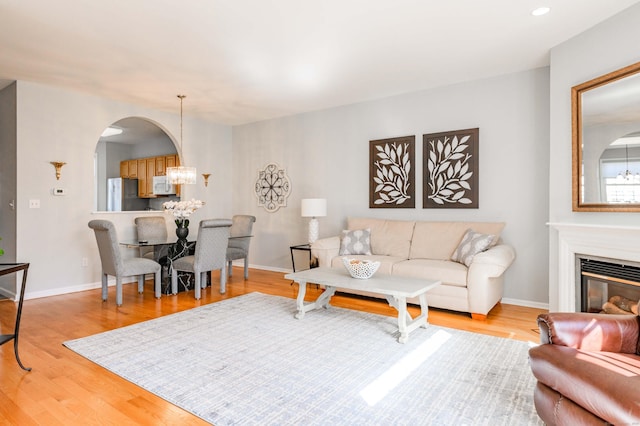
[(240, 61)]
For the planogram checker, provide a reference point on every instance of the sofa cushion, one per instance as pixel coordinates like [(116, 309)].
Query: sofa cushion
[(388, 237), (438, 240), (471, 244), (356, 241), (451, 273), (386, 262)]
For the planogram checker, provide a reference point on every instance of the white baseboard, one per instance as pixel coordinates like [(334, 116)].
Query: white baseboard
[(263, 268), (91, 286), (527, 303), (112, 282), (8, 294), (71, 289)]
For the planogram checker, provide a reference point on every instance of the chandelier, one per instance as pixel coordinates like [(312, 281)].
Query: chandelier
[(627, 176), (181, 174)]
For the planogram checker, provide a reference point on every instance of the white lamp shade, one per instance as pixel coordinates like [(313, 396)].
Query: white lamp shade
[(314, 207)]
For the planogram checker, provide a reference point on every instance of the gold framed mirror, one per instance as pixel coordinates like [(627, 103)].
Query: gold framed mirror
[(606, 142)]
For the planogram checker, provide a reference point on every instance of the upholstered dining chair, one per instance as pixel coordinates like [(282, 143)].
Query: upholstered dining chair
[(113, 263), (150, 228), (238, 248), (210, 254)]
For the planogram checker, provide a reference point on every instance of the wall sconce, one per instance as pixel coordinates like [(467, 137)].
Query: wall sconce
[(58, 165), (206, 178)]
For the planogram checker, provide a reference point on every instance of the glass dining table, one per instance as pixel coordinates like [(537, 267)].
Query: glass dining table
[(165, 251)]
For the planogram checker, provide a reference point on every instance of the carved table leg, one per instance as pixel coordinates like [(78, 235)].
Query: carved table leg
[(406, 324), (321, 302), (424, 310), (302, 290), (402, 319)]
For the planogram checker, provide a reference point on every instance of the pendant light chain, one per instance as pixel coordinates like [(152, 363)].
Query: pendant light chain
[(181, 174), (627, 174), (181, 98)]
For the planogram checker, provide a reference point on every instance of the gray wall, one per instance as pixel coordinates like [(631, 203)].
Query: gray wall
[(325, 154), (55, 238), (525, 164), (608, 46), (8, 185)]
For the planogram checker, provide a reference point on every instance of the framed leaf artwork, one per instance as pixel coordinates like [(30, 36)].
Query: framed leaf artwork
[(391, 175), (450, 169)]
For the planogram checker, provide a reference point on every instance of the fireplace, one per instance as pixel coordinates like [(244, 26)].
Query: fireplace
[(607, 285), (575, 241)]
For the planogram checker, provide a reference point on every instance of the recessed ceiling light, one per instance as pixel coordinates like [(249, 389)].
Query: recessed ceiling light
[(540, 11), (111, 131)]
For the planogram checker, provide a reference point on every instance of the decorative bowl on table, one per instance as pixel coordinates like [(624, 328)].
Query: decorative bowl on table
[(361, 268)]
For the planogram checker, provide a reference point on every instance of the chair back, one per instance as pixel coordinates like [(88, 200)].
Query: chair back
[(107, 240), (211, 248), (150, 228), (242, 225)]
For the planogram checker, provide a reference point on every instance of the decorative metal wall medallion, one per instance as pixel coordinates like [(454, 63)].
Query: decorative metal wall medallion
[(450, 167), (272, 187), (391, 175)]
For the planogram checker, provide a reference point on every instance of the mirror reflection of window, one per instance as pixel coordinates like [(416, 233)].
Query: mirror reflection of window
[(620, 170), (604, 109), (131, 138)]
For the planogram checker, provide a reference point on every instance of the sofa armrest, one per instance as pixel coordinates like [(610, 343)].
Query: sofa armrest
[(325, 249), (485, 281), (494, 261), (490, 264), (590, 331)]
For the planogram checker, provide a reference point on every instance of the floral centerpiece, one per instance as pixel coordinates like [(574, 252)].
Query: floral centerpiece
[(181, 210)]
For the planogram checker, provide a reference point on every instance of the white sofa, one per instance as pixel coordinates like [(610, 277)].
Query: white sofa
[(424, 249)]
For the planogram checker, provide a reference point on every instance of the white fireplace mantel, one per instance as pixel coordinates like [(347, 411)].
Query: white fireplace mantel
[(614, 242)]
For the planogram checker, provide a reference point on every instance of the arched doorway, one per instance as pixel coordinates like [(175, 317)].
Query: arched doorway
[(127, 141)]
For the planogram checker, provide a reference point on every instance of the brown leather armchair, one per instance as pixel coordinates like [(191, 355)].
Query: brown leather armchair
[(588, 369)]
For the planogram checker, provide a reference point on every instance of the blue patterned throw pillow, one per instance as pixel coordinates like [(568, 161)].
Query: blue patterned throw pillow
[(356, 242)]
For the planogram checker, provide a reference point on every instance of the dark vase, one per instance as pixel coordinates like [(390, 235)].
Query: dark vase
[(182, 232)]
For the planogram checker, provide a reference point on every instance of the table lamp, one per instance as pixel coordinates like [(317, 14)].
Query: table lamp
[(313, 208)]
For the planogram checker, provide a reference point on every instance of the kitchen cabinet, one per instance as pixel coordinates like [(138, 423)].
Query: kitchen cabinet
[(171, 160), (144, 169), (142, 178), (133, 169), (161, 166), (174, 161), (124, 169), (151, 172), (129, 169)]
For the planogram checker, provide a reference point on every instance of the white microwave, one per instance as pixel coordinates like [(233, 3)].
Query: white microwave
[(161, 186)]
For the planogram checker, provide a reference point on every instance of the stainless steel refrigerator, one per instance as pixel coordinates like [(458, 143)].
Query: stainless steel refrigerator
[(122, 195)]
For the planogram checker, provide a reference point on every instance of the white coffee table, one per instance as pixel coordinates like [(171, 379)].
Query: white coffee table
[(395, 289)]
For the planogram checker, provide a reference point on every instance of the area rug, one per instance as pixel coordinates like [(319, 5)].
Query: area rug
[(248, 361)]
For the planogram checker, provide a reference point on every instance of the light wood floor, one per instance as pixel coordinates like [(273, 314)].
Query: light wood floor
[(66, 389)]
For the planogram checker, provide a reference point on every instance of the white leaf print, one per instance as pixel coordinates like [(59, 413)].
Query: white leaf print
[(392, 174), (448, 164)]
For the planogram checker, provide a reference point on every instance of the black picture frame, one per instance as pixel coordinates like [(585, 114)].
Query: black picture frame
[(391, 173), (450, 169)]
